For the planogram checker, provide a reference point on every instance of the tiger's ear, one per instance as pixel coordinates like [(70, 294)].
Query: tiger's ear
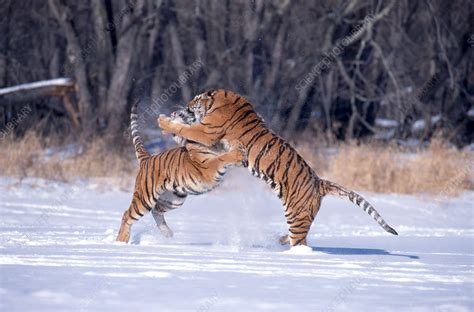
[(211, 92)]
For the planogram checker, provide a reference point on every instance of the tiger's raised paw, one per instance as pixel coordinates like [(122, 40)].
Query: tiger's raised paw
[(240, 155), (235, 155), (165, 123), (245, 161)]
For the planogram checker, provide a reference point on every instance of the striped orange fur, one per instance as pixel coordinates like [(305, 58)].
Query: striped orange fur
[(166, 179), (227, 116)]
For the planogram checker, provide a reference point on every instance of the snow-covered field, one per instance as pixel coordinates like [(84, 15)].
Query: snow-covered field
[(57, 253)]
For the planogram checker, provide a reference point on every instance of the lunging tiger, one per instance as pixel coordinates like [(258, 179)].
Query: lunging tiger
[(227, 116), (164, 180)]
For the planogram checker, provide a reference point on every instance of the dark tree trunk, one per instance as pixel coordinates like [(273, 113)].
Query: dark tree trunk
[(74, 50)]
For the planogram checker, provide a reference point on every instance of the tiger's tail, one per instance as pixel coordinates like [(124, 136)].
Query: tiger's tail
[(140, 151), (335, 189)]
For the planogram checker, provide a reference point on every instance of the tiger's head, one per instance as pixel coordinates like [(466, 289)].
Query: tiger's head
[(201, 104), (205, 103), (182, 116)]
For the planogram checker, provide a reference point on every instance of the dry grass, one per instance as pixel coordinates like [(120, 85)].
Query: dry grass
[(29, 157), (438, 169)]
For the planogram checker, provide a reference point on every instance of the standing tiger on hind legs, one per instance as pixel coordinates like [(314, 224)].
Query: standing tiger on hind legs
[(224, 116), (165, 180)]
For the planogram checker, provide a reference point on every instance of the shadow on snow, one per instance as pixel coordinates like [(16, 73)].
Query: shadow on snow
[(359, 251)]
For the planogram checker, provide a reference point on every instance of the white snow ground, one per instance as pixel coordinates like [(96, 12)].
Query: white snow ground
[(57, 253)]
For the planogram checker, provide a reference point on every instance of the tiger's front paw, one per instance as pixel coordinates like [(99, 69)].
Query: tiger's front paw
[(243, 152), (165, 123), (124, 234), (239, 155)]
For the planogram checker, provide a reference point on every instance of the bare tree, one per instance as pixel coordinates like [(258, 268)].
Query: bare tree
[(334, 67)]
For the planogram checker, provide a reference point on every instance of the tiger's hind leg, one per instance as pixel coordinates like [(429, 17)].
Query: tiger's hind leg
[(300, 221), (161, 223), (137, 209), (167, 201), (298, 231)]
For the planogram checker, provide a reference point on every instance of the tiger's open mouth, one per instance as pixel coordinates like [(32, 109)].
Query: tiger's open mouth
[(187, 116), (183, 116)]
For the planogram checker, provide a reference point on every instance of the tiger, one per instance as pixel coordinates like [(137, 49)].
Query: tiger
[(226, 116), (165, 180)]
